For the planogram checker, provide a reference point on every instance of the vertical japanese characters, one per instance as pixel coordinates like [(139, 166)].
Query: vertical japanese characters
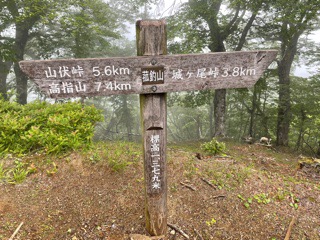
[(155, 165)]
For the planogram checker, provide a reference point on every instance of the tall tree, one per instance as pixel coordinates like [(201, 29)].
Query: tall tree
[(289, 21), (5, 66), (88, 27), (6, 49), (23, 15), (207, 24)]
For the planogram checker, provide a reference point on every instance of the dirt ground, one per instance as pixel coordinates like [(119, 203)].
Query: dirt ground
[(254, 193)]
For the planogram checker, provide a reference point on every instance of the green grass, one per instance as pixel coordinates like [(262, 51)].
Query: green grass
[(2, 172), (117, 155)]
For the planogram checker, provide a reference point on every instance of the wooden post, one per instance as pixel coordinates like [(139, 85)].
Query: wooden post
[(151, 41)]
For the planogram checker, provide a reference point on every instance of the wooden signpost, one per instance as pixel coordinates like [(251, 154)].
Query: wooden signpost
[(151, 74)]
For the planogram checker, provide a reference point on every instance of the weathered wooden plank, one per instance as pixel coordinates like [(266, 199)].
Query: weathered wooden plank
[(64, 78), (151, 39), (155, 172)]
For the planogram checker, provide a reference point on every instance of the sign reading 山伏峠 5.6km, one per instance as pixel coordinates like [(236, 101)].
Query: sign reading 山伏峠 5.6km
[(65, 78)]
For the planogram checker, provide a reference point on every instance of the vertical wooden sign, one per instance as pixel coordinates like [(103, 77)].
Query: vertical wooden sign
[(151, 41)]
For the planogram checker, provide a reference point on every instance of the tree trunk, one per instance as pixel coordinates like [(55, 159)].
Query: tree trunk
[(242, 125), (218, 33), (219, 112), (264, 117), (253, 111), (22, 35), (284, 108), (220, 95), (4, 71), (199, 127), (22, 84), (127, 117), (211, 118), (288, 51), (300, 136)]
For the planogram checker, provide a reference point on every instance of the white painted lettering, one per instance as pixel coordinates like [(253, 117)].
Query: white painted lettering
[(54, 88), (189, 74), (177, 74), (108, 71), (98, 85), (50, 73), (67, 87), (124, 71), (160, 76), (115, 71), (201, 73), (77, 71), (64, 71), (214, 72), (117, 86), (81, 87), (155, 159), (145, 76), (225, 72)]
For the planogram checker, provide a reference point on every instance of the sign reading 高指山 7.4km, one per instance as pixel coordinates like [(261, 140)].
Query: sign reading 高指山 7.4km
[(65, 78)]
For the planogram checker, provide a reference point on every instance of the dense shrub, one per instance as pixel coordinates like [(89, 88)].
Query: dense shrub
[(44, 127), (214, 147)]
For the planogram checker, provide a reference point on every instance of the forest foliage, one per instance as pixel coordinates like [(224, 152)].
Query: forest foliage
[(281, 106), (46, 128)]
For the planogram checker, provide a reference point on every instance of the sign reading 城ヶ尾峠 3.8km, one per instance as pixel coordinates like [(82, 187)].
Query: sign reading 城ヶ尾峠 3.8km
[(65, 78)]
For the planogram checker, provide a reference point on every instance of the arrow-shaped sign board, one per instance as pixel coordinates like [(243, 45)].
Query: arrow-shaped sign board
[(65, 78)]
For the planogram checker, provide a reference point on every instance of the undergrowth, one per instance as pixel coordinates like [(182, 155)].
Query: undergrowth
[(214, 147), (118, 155), (44, 127)]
